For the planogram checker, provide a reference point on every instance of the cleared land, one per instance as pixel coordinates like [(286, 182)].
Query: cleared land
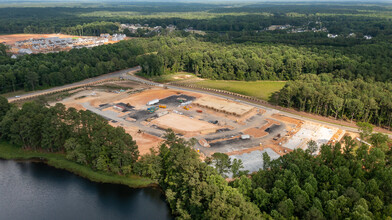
[(217, 123), (181, 76), (224, 106), (12, 38), (259, 89), (184, 125)]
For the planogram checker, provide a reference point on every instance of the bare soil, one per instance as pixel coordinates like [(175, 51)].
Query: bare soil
[(260, 132), (184, 125), (141, 99), (12, 38)]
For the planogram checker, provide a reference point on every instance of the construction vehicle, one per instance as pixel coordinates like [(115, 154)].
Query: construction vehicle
[(186, 107), (181, 100), (162, 106), (152, 109), (199, 111)]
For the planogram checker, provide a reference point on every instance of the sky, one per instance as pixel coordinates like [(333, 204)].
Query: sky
[(206, 1), (16, 2)]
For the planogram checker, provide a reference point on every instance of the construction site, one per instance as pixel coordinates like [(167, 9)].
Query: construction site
[(21, 44), (238, 129)]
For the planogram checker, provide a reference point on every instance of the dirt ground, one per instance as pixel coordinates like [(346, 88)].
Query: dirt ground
[(143, 140), (222, 105), (260, 132), (148, 133), (141, 99), (184, 125), (95, 98), (238, 119), (337, 136), (12, 38)]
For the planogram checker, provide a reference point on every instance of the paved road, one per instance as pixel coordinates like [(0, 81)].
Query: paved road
[(86, 81)]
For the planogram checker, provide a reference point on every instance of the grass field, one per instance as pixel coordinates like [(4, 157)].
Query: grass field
[(180, 76), (8, 151), (259, 89)]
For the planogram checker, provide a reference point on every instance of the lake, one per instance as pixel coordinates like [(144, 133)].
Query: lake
[(32, 191)]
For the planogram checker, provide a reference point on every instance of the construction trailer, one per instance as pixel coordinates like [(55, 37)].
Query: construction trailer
[(245, 136), (153, 102)]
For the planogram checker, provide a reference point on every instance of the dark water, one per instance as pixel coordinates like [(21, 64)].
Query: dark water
[(37, 191)]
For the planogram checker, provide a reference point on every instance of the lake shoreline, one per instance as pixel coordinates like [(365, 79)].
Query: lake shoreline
[(56, 160)]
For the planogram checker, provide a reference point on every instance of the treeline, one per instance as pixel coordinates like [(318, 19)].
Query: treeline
[(54, 69), (83, 136), (193, 189), (266, 61), (85, 29), (309, 39), (338, 19), (350, 100), (344, 181), (92, 29)]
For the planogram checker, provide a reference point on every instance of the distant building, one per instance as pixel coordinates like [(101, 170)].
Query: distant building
[(367, 37), (118, 37), (278, 27), (105, 35), (171, 28), (332, 35)]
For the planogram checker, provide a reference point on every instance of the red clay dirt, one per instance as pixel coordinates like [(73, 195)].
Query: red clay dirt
[(142, 98)]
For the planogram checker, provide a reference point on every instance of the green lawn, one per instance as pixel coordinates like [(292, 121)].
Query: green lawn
[(8, 151), (259, 89)]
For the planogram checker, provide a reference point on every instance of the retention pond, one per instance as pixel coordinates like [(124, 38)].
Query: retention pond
[(37, 191)]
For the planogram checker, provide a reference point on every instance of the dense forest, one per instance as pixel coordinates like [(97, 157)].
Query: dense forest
[(270, 61), (344, 181), (240, 23), (350, 100), (85, 137)]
